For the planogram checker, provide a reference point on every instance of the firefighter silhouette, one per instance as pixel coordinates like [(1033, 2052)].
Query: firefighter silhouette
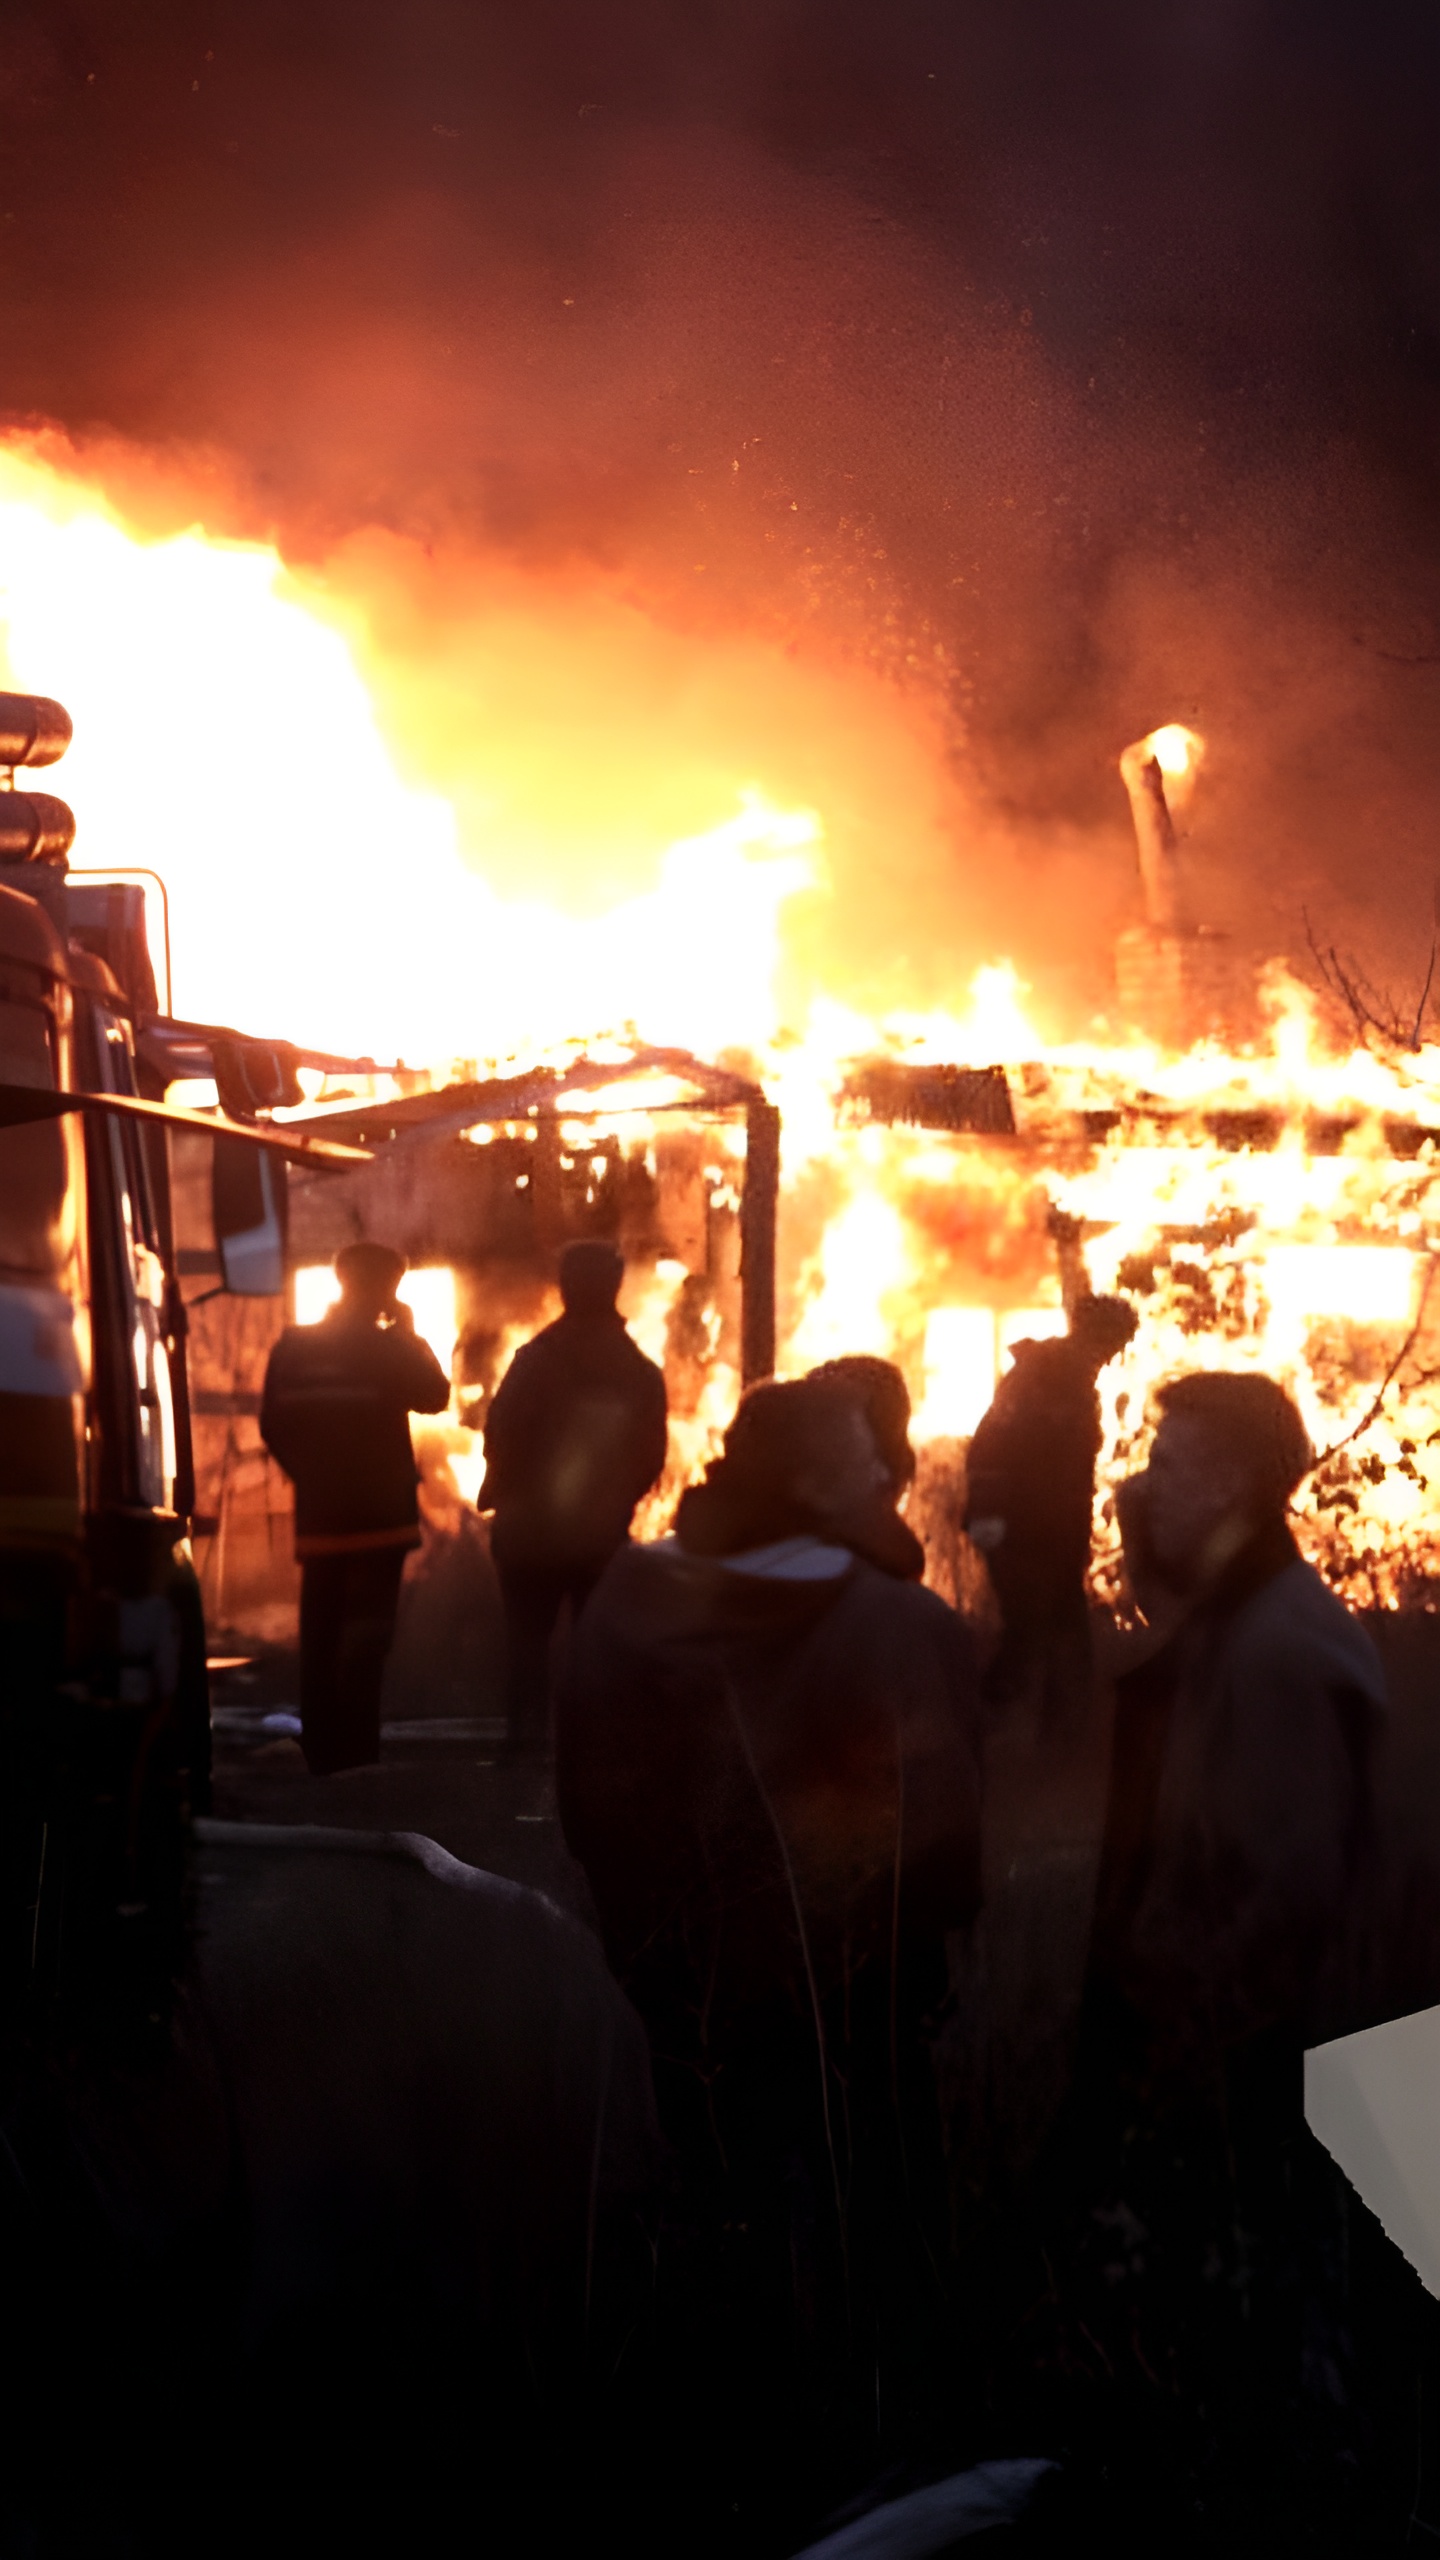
[(338, 1397)]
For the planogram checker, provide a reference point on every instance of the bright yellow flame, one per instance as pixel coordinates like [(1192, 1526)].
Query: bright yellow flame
[(429, 1293), (224, 737), (960, 1369), (1176, 750), (1366, 1283), (995, 1029), (862, 1259)]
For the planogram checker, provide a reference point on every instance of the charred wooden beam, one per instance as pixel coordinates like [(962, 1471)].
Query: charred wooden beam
[(968, 1100), (1260, 1129), (759, 1213), (501, 1099)]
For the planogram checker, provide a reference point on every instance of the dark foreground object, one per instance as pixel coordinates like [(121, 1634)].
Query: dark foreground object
[(350, 2245)]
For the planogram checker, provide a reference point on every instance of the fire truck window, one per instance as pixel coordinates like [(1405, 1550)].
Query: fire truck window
[(25, 1053), (137, 1183), (33, 1160), (117, 1075)]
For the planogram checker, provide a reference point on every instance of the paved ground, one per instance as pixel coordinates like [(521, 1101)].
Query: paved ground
[(439, 1775), (1017, 1980)]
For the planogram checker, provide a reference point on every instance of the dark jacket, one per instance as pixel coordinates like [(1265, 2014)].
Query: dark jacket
[(575, 1435), (338, 1397), (766, 1780), (1239, 1818), (1032, 1461)]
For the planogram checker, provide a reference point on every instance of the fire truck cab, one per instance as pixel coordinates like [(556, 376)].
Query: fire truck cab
[(104, 1714)]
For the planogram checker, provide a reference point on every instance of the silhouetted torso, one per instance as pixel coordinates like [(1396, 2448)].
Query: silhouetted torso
[(338, 1398), (1031, 1464), (575, 1435)]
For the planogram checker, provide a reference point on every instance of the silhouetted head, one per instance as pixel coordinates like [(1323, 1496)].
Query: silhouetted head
[(1227, 1456), (369, 1275), (883, 1397), (590, 1277), (800, 1460), (1102, 1327), (811, 1442)]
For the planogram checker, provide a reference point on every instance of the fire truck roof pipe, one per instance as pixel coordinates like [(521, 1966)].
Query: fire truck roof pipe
[(33, 729)]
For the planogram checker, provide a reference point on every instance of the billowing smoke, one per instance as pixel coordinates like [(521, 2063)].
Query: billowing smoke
[(1070, 368)]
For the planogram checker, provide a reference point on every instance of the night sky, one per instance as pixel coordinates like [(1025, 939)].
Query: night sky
[(1080, 358)]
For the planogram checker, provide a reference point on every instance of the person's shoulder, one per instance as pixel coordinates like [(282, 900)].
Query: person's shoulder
[(641, 1361), (616, 1332), (293, 1348), (650, 1594), (1041, 1368), (1300, 1631), (533, 1354), (904, 1604), (639, 1557)]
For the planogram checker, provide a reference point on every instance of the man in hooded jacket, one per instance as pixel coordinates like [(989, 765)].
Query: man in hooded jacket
[(767, 1764)]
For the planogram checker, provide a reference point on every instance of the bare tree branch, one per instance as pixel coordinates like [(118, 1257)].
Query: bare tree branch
[(1372, 1413), (1424, 999), (1372, 1010)]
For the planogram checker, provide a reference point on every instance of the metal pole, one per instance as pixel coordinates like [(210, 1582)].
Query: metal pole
[(759, 1205)]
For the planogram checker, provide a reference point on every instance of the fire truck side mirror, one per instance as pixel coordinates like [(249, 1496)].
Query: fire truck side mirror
[(250, 1205)]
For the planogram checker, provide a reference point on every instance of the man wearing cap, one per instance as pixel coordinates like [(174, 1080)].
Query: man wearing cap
[(335, 1415), (576, 1435)]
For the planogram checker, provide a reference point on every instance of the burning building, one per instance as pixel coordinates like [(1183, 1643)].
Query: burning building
[(792, 1172)]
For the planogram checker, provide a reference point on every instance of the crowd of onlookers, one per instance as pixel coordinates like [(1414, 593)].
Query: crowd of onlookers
[(769, 1742), (690, 2242)]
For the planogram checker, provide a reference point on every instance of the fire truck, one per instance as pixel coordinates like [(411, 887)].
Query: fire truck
[(104, 1717)]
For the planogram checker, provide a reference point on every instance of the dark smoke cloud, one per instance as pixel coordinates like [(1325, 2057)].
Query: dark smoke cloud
[(1080, 357)]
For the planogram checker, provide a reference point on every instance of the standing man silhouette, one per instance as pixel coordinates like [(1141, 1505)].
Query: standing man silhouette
[(1030, 1488), (336, 1415), (575, 1435)]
